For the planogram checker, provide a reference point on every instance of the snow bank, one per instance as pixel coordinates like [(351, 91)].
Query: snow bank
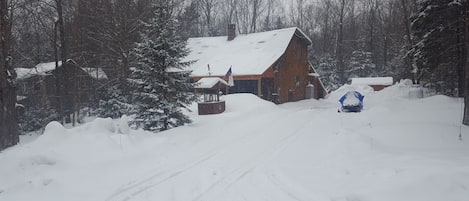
[(396, 149)]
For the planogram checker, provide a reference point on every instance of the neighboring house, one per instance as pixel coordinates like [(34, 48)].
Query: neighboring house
[(377, 83), (273, 64), (38, 86)]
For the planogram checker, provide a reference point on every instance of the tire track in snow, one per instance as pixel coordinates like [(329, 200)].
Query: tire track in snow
[(128, 192), (239, 173), (277, 182)]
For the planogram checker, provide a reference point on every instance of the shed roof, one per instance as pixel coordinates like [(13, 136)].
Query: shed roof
[(39, 69), (373, 80), (96, 73), (209, 82), (249, 54), (45, 68)]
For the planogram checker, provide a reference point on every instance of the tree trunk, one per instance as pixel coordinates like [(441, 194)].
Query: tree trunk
[(466, 68), (371, 24), (58, 79), (325, 33), (67, 90), (340, 45), (255, 7), (9, 135), (462, 52), (408, 61)]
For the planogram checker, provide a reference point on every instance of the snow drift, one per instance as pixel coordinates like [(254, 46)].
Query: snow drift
[(395, 149)]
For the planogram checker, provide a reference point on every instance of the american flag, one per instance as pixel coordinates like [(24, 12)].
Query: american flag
[(229, 77), (228, 74)]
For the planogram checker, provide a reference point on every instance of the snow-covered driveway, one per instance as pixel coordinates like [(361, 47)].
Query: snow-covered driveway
[(396, 149)]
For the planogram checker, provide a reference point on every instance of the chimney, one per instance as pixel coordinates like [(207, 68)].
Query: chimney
[(231, 32)]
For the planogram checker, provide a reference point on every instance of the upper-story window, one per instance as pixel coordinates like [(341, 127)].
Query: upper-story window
[(299, 52)]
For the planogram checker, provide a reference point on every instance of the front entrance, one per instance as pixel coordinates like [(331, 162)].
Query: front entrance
[(267, 89), (290, 96)]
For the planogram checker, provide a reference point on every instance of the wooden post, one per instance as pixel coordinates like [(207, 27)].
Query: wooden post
[(259, 91)]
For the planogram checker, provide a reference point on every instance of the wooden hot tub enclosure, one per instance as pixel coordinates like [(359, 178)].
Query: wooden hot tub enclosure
[(206, 108), (211, 87)]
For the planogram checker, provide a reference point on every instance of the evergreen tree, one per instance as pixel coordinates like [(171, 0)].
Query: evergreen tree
[(161, 84), (439, 52), (114, 104), (361, 65), (326, 67)]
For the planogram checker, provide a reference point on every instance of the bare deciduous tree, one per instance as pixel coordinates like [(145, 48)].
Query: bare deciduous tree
[(8, 119)]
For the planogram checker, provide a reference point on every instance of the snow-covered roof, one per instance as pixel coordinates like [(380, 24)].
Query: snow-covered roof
[(250, 54), (372, 80), (209, 82), (39, 69), (96, 73), (46, 68)]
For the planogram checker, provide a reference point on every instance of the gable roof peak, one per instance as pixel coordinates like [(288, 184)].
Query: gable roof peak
[(248, 54)]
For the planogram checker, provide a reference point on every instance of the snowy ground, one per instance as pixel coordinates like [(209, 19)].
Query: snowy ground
[(396, 149)]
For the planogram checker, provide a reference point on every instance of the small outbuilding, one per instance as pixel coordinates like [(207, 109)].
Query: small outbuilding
[(377, 83), (37, 86), (212, 88)]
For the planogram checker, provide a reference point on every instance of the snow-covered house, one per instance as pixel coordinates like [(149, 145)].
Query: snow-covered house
[(273, 64), (38, 86)]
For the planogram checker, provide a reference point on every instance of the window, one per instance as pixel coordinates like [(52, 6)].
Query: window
[(297, 81), (299, 52)]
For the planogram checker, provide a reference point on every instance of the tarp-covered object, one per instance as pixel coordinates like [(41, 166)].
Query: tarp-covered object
[(352, 101)]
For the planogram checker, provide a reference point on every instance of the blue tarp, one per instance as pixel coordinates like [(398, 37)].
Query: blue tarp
[(352, 101)]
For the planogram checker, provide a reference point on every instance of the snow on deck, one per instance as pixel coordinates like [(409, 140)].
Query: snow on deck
[(249, 54), (372, 81), (209, 82)]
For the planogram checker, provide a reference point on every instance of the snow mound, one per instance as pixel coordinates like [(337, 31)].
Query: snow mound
[(54, 127), (109, 126), (54, 132), (246, 102)]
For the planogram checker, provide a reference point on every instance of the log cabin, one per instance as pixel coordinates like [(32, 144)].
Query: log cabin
[(272, 65)]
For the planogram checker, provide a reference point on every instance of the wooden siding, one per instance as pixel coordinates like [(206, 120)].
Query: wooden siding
[(378, 87), (291, 68), (207, 108)]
